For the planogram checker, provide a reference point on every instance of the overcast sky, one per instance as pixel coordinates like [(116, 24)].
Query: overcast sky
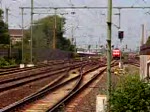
[(89, 26)]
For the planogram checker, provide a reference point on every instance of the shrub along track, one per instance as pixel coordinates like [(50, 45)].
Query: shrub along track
[(64, 82)]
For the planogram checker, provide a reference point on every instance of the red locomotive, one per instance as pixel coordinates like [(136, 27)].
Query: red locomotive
[(116, 53)]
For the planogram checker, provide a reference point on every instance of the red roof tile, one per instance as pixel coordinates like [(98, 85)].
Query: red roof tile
[(15, 32)]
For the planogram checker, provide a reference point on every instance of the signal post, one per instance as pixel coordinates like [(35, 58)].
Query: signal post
[(120, 36)]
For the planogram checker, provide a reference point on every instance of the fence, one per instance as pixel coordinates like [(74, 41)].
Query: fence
[(38, 54)]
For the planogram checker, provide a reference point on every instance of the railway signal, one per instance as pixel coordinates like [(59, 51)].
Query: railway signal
[(126, 46), (120, 34), (112, 46)]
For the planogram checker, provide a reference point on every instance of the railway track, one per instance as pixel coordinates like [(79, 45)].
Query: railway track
[(87, 78), (17, 69), (49, 63), (15, 77), (32, 87), (133, 62), (67, 80), (22, 79), (13, 83)]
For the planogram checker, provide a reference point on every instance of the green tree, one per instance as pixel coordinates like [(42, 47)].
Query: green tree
[(148, 41), (4, 35), (131, 95), (43, 31), (63, 43)]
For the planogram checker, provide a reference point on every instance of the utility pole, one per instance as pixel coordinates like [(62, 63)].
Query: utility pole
[(55, 29), (142, 39), (73, 40), (119, 18), (72, 37), (62, 21), (72, 32), (119, 29), (1, 3), (31, 39), (22, 12), (119, 14), (109, 32), (121, 64), (7, 11)]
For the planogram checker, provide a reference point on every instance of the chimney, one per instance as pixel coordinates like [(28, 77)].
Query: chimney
[(142, 39)]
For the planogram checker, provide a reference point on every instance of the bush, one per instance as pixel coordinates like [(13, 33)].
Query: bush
[(131, 95), (12, 62), (7, 62), (3, 62)]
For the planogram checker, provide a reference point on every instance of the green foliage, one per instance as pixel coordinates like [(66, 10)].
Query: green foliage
[(4, 35), (43, 31), (3, 62), (1, 13), (26, 55), (131, 95), (148, 41), (63, 43), (4, 46), (12, 62), (17, 45), (7, 62)]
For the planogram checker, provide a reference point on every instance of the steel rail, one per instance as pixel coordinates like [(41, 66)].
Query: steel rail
[(25, 100), (77, 89), (10, 85), (14, 70), (49, 69), (13, 83), (85, 85), (35, 95), (29, 69)]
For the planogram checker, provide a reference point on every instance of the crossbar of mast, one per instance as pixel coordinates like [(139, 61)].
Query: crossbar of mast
[(86, 7)]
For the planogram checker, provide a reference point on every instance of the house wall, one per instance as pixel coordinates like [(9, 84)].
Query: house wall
[(145, 62), (143, 66)]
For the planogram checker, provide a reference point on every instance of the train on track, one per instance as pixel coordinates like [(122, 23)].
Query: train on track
[(116, 53), (86, 54)]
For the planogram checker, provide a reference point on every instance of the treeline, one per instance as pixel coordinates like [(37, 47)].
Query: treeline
[(43, 33)]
